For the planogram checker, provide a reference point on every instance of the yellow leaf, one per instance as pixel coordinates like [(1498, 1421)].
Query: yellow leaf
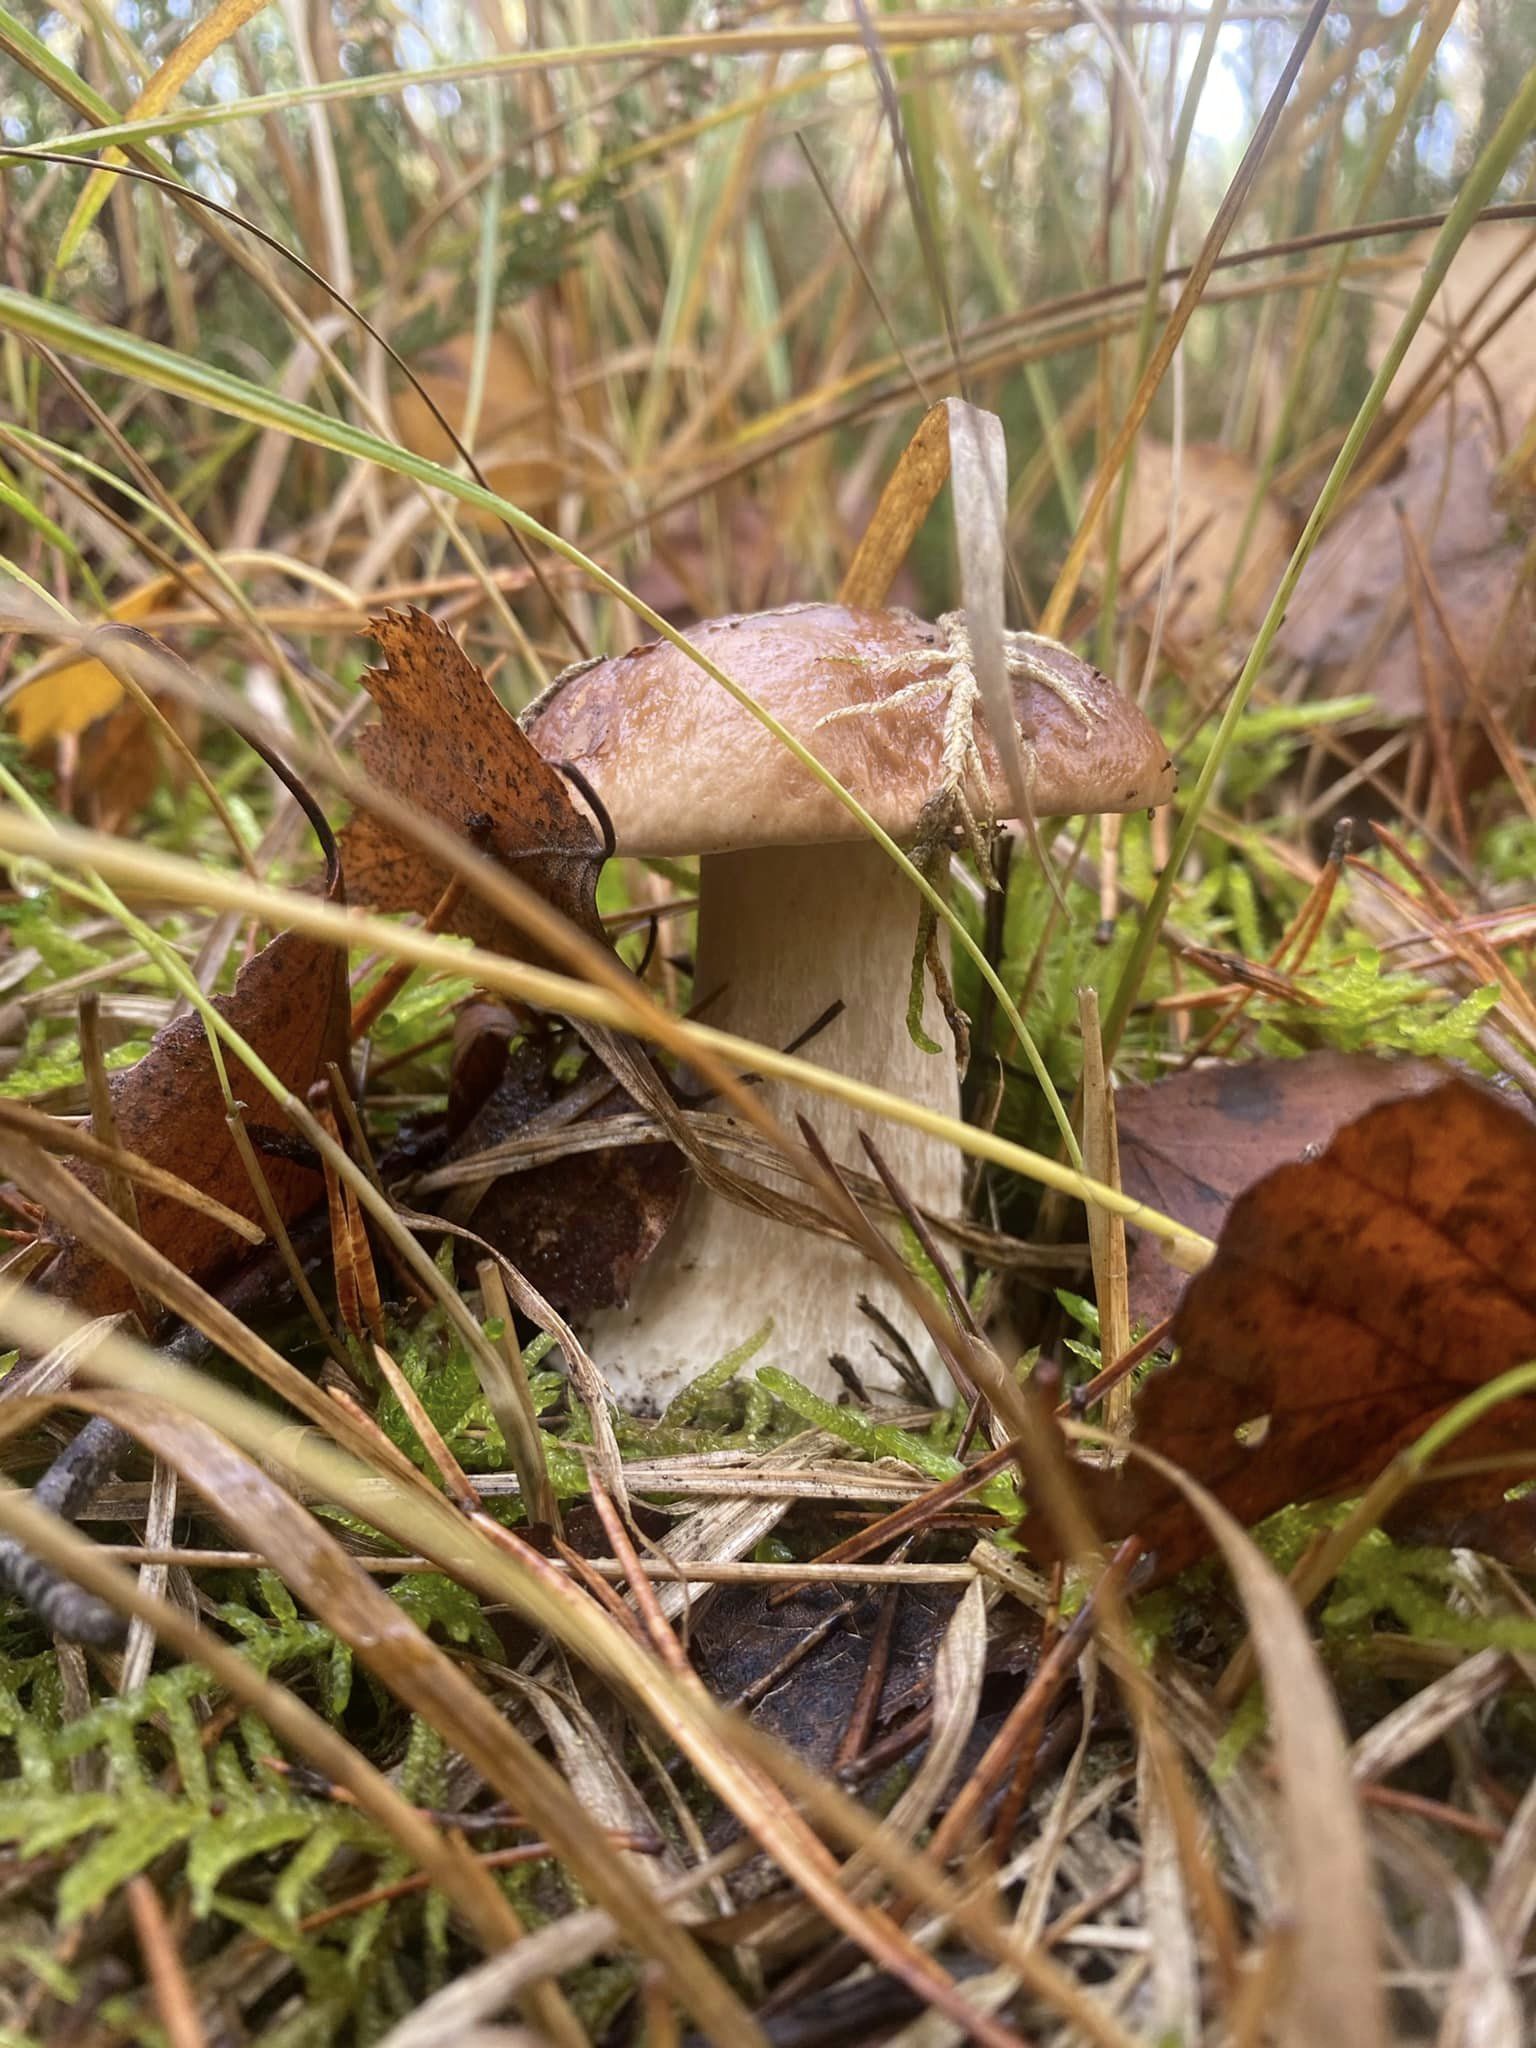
[(195, 48), (68, 699)]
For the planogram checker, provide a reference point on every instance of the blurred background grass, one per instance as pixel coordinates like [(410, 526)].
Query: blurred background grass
[(617, 270)]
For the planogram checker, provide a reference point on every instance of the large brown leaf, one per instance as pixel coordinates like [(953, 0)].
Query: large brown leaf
[(447, 746), (1216, 488), (1191, 1143), (290, 1005), (1353, 1297), (1351, 619)]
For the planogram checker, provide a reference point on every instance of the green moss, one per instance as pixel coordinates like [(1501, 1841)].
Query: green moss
[(883, 1440)]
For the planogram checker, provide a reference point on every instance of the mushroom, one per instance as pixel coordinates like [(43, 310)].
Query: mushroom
[(799, 910)]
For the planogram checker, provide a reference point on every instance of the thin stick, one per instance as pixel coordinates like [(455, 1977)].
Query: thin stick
[(175, 2000), (1027, 1717)]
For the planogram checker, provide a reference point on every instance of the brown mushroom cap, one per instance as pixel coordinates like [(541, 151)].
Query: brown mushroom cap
[(682, 768)]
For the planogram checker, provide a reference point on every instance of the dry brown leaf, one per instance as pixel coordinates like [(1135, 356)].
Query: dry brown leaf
[(1350, 617), (579, 1227), (1353, 1297), (797, 1669), (1216, 488), (1189, 1145), (1351, 620), (447, 746), (290, 1005), (1493, 268), (515, 438), (111, 770), (715, 551)]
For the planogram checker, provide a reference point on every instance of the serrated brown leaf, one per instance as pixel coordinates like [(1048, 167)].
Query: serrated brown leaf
[(446, 745), (290, 1005), (1352, 1299)]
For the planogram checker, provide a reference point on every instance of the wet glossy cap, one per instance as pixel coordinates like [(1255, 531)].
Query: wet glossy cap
[(682, 768)]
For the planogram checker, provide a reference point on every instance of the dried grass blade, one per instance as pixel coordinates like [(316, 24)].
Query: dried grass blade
[(708, 1049), (920, 474), (959, 1668), (591, 1388), (159, 1531), (566, 1944), (720, 1746), (460, 1487), (1106, 1232), (175, 2000), (1054, 618), (1511, 1892), (1175, 1962), (82, 1144), (1333, 1997), (1479, 185), (978, 458), (1027, 1716), (79, 1212), (512, 1403), (199, 43), (747, 1774)]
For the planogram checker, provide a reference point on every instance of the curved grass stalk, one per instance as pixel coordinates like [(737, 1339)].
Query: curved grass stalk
[(1303, 379), (897, 32)]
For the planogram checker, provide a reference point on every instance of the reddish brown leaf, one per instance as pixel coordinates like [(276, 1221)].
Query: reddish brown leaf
[(290, 1005), (447, 746), (1464, 1514), (1190, 1145), (1353, 1297)]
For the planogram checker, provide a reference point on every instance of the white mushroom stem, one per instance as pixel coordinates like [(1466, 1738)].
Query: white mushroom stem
[(783, 934)]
